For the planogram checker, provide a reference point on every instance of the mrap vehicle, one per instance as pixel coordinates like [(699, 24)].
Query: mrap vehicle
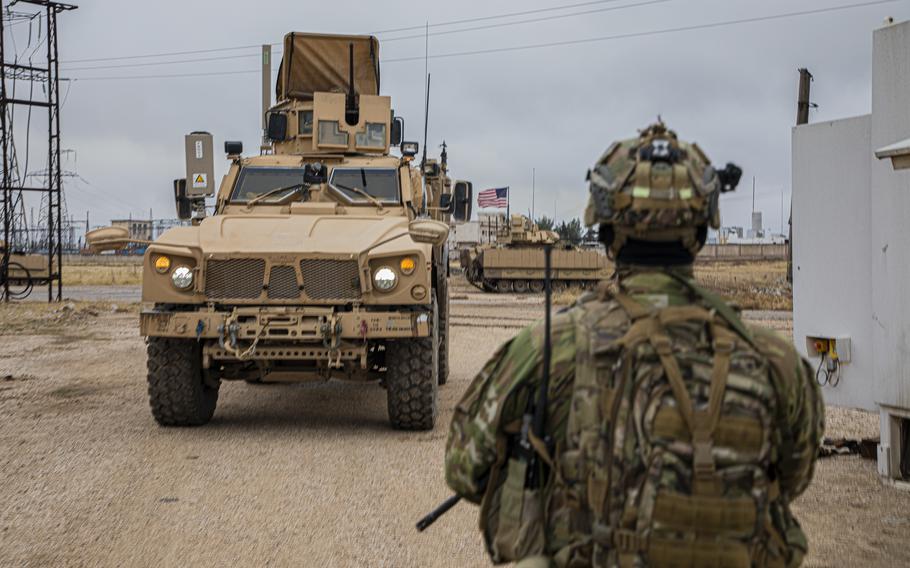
[(324, 257)]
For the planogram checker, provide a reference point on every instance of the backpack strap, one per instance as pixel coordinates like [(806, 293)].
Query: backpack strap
[(718, 305), (701, 423)]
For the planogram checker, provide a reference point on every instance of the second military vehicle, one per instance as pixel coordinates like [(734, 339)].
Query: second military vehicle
[(515, 262), (324, 257)]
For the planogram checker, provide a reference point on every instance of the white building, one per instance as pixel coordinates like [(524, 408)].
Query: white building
[(851, 253), (477, 232)]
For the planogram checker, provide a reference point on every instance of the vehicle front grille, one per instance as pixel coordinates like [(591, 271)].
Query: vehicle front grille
[(283, 283), (326, 279), (240, 278)]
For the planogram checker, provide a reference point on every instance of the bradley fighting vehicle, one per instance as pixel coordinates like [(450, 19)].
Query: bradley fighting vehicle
[(324, 257), (515, 262)]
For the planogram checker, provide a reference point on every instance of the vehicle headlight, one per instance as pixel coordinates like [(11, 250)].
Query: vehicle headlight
[(385, 279), (182, 277)]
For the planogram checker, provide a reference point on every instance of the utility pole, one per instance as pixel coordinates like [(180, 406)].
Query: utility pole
[(803, 104)]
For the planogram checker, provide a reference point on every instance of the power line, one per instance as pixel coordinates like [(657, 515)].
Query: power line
[(530, 21), (651, 32), (420, 27), (419, 36), (163, 54), (219, 58), (496, 17), (629, 35)]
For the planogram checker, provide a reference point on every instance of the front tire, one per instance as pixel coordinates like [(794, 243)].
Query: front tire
[(177, 392), (413, 381)]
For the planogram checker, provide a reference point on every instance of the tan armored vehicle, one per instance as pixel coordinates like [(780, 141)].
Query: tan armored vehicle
[(515, 262), (22, 272), (323, 258)]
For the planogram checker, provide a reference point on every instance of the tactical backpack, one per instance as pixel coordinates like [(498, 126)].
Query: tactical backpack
[(669, 441)]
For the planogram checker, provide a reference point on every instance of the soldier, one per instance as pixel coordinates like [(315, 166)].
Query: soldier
[(675, 435)]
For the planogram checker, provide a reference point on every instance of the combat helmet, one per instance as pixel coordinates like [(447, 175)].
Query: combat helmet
[(656, 191)]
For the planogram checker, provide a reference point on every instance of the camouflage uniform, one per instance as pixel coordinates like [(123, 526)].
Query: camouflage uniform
[(677, 436)]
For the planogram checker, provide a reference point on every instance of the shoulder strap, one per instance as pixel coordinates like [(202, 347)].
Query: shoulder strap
[(721, 307)]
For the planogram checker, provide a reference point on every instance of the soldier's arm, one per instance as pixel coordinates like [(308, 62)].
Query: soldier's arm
[(801, 419), (497, 397)]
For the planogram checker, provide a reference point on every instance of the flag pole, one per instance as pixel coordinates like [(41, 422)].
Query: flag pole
[(508, 203)]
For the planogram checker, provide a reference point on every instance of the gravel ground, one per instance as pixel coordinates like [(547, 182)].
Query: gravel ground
[(288, 475)]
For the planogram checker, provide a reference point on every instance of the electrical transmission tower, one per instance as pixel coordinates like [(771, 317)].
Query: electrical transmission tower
[(12, 184)]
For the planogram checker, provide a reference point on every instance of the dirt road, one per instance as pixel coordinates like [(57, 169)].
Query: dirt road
[(284, 475)]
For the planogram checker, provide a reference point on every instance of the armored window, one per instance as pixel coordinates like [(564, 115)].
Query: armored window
[(373, 136), (305, 123), (330, 134), (254, 181), (381, 183)]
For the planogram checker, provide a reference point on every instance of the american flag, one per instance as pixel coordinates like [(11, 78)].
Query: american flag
[(496, 197)]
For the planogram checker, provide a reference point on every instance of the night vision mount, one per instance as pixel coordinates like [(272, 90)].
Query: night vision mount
[(729, 177)]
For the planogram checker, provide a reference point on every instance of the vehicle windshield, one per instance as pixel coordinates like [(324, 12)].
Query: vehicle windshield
[(256, 181), (381, 183)]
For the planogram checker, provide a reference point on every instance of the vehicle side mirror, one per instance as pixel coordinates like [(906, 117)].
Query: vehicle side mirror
[(278, 126), (183, 203), (428, 231), (445, 202), (108, 238), (462, 200), (397, 131)]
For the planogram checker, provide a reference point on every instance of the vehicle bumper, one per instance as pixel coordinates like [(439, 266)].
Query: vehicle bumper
[(296, 325)]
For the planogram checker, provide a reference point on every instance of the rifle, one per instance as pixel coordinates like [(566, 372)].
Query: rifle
[(535, 416)]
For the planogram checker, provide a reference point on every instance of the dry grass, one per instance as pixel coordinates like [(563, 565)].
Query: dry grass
[(101, 275), (752, 285), (52, 318)]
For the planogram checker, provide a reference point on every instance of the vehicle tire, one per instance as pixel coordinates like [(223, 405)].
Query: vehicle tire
[(520, 286), (537, 286), (177, 393), (412, 382), (19, 288), (442, 303), (503, 286)]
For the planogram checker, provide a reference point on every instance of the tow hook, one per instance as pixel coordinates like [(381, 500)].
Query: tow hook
[(331, 340), (331, 334)]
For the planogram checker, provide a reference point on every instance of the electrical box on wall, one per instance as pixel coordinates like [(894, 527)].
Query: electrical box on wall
[(837, 347)]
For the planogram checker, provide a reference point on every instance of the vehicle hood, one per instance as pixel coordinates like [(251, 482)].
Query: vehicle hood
[(324, 235)]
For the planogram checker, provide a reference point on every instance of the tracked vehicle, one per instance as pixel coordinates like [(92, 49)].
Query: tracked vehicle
[(515, 262), (323, 259)]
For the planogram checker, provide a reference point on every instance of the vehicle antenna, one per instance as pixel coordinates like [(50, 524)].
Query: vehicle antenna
[(350, 111)]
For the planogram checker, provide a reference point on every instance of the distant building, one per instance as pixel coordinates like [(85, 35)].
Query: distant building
[(477, 232), (141, 229), (756, 232)]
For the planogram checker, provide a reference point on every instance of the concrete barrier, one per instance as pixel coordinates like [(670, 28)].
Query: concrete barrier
[(744, 252)]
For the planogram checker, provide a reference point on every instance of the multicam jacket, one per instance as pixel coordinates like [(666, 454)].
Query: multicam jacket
[(765, 435)]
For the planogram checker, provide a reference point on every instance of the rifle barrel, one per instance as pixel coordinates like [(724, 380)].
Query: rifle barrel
[(439, 511)]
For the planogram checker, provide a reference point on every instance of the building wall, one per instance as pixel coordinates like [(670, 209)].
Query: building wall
[(890, 197), (831, 243)]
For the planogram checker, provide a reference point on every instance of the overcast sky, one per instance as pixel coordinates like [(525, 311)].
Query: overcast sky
[(731, 88)]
